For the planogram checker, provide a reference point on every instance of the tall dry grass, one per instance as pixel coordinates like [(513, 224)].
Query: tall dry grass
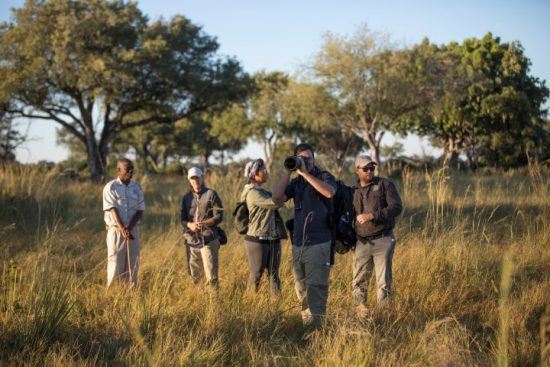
[(471, 282)]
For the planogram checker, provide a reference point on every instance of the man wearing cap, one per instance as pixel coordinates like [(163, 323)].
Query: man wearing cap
[(201, 213), (123, 207), (312, 192), (376, 203)]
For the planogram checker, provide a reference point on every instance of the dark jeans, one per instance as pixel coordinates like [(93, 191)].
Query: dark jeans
[(261, 256)]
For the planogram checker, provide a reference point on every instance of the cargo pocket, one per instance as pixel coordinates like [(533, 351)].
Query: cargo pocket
[(321, 254)]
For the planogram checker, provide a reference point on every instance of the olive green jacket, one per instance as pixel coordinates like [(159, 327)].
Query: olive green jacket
[(265, 223)]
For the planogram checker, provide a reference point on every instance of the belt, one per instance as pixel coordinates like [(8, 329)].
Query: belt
[(376, 236)]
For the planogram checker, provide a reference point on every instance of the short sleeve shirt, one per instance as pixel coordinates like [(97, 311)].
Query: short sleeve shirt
[(311, 210), (127, 199)]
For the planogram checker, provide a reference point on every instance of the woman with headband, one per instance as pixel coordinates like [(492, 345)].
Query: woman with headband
[(265, 228)]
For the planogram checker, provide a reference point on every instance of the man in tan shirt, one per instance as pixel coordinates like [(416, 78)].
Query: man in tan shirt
[(123, 207)]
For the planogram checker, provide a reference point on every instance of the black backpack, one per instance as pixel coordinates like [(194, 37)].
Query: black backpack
[(343, 215), (341, 220)]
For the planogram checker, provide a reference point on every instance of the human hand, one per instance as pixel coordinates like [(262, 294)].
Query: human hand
[(129, 229), (365, 217), (194, 226), (301, 169), (126, 233)]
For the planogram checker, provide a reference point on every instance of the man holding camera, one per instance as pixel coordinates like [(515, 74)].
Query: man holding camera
[(311, 191), (376, 203)]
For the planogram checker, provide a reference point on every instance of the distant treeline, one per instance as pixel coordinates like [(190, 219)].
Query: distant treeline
[(117, 83)]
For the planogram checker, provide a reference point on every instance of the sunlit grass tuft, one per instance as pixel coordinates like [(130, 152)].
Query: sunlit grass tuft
[(471, 281)]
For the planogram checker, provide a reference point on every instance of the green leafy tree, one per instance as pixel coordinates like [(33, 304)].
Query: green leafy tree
[(98, 68), (202, 135), (150, 143), (374, 83), (265, 112), (485, 99), (314, 115)]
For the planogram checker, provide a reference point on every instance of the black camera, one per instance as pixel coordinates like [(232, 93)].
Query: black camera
[(293, 163)]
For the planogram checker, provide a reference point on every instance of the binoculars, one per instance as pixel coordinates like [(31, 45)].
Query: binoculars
[(292, 163)]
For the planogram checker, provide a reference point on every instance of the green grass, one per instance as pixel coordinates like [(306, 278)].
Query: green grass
[(471, 282)]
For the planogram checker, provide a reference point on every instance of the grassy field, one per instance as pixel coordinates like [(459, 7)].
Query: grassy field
[(471, 282)]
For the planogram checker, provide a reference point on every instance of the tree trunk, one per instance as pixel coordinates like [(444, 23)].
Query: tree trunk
[(268, 146), (144, 153), (222, 162), (451, 154), (473, 159), (96, 158), (339, 163), (203, 160), (374, 150)]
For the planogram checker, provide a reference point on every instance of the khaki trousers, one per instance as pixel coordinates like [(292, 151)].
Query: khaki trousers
[(204, 260), (378, 255), (311, 266), (122, 257)]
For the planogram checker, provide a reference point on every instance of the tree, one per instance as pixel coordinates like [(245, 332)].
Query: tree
[(215, 140), (486, 96), (374, 84), (314, 115), (265, 117), (230, 129), (509, 148), (150, 143), (10, 138), (98, 68)]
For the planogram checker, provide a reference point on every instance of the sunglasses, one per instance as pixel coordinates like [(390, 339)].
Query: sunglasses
[(368, 168)]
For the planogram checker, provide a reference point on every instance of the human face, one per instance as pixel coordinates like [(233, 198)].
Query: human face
[(307, 157), (261, 177), (125, 171), (196, 183), (366, 173)]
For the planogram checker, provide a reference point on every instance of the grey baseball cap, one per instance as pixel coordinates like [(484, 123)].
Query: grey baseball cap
[(194, 172), (363, 161)]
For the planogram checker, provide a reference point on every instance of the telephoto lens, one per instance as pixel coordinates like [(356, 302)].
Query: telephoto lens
[(292, 163)]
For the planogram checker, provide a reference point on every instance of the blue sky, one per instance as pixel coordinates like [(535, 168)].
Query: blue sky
[(283, 35)]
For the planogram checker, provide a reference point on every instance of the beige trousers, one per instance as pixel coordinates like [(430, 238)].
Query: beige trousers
[(204, 260), (374, 255), (122, 257)]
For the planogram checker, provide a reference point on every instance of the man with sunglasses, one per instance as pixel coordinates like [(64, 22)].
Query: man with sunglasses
[(312, 192), (376, 203)]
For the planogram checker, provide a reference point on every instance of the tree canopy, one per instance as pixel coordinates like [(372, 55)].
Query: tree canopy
[(97, 68), (486, 99)]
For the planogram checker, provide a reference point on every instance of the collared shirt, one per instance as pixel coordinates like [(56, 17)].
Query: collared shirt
[(311, 209), (127, 199)]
